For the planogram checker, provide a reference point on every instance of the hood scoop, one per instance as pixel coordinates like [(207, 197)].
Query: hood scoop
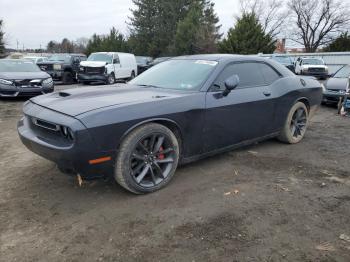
[(63, 94)]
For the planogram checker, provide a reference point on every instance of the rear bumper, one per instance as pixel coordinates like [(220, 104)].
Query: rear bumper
[(92, 78), (69, 155)]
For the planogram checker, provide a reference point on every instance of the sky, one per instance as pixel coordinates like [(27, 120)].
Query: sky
[(35, 22)]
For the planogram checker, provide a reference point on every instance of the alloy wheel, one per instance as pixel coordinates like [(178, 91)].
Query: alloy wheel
[(298, 123), (152, 160)]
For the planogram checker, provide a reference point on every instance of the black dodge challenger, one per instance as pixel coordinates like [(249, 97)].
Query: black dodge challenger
[(176, 112)]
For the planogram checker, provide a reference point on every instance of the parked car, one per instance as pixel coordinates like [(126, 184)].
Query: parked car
[(182, 110), (63, 67), (107, 67), (143, 63), (160, 60), (336, 86), (284, 60), (311, 67), (23, 78), (35, 59)]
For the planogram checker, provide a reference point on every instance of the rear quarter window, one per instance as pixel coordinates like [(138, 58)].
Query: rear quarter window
[(270, 75)]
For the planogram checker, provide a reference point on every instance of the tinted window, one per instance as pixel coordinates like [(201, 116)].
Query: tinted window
[(249, 75), (269, 74), (176, 74)]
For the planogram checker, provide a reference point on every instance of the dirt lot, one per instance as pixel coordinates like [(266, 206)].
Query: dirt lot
[(267, 202)]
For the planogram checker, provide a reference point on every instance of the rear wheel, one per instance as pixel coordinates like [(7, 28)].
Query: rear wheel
[(147, 159), (296, 124)]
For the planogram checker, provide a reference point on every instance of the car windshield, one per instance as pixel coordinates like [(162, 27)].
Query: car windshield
[(142, 59), (344, 72), (282, 59), (312, 62), (60, 57), (177, 74), (18, 66), (100, 58)]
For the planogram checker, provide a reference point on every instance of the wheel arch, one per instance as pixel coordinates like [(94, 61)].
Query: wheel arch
[(171, 124), (305, 101)]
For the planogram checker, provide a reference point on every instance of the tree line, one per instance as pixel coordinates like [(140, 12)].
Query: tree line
[(178, 27)]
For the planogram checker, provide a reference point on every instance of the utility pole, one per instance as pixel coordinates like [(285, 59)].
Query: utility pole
[(17, 44)]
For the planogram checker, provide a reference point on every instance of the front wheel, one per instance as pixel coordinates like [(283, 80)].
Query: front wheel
[(296, 124), (147, 159), (111, 79)]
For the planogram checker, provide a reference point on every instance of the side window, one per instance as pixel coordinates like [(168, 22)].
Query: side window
[(249, 75), (83, 58), (269, 73), (76, 60), (116, 60)]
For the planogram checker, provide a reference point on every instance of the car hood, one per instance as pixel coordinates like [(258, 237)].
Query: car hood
[(77, 101), (337, 83), (93, 63), (23, 75)]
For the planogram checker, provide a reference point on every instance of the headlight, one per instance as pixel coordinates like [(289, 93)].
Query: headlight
[(5, 82), (47, 81), (57, 67)]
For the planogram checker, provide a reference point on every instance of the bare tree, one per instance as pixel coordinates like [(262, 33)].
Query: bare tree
[(271, 14), (317, 22)]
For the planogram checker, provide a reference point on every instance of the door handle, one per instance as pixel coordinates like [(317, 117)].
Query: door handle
[(267, 93)]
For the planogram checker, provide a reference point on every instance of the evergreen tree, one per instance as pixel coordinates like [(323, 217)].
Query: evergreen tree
[(2, 44), (113, 42), (198, 31), (340, 44), (247, 37)]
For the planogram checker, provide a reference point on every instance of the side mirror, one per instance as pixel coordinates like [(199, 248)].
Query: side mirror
[(231, 83)]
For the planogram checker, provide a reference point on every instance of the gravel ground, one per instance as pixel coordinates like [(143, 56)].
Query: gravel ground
[(266, 202)]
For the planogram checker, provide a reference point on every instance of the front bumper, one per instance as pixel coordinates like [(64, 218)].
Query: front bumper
[(315, 74), (92, 78), (332, 96), (68, 155), (13, 91), (55, 74)]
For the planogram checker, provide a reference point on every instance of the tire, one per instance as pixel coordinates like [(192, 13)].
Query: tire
[(132, 75), (67, 78), (140, 170), (111, 79), (296, 124)]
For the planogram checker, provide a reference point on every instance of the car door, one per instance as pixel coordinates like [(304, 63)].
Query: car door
[(244, 114), (117, 67)]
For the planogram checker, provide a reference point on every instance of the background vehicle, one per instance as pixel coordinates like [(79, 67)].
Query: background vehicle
[(23, 78), (284, 60), (336, 86), (106, 67), (35, 59), (63, 67), (143, 63), (312, 67), (179, 111), (160, 60)]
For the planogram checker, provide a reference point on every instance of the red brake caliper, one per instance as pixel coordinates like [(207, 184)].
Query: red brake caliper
[(160, 155)]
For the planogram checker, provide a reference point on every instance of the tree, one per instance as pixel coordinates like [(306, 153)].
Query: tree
[(113, 42), (340, 44), (271, 14), (317, 21), (248, 37), (198, 31), (2, 43)]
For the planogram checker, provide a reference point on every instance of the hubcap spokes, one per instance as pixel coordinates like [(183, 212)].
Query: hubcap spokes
[(152, 160), (298, 123)]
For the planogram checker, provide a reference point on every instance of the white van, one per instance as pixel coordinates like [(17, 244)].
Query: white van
[(107, 67)]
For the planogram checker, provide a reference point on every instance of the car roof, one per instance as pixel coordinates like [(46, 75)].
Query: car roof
[(223, 57)]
